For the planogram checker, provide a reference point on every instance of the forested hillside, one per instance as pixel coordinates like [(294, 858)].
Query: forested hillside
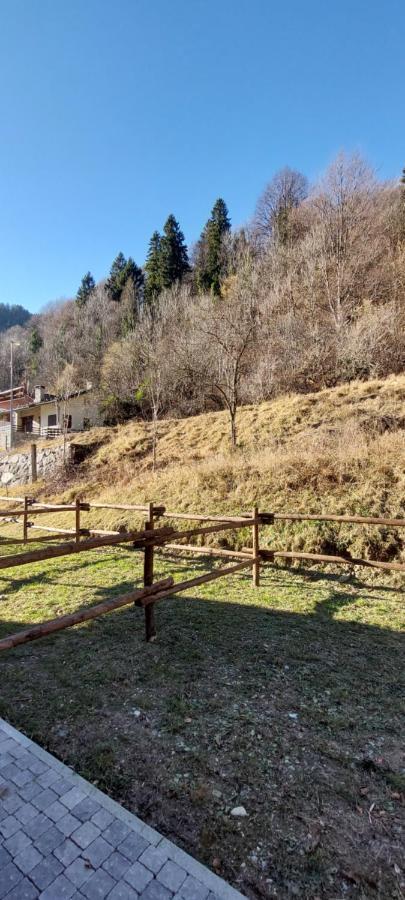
[(12, 315), (310, 293)]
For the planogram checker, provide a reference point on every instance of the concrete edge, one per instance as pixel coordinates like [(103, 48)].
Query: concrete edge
[(213, 882)]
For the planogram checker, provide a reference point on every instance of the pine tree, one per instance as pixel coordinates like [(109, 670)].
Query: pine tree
[(210, 256), (173, 253), (114, 283), (122, 271), (153, 283), (87, 286), (35, 341), (131, 296)]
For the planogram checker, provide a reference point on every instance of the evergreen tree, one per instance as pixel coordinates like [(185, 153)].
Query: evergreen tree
[(87, 285), (153, 283), (122, 271), (173, 253), (114, 283), (210, 255), (35, 341), (131, 296)]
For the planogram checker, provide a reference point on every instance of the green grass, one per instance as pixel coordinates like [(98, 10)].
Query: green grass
[(287, 700)]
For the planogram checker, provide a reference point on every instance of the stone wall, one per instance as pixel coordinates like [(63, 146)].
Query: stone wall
[(18, 464)]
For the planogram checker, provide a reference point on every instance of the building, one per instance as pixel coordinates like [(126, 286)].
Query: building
[(41, 414)]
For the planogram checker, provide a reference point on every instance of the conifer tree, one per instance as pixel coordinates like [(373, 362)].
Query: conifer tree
[(210, 268), (153, 282), (35, 341), (173, 253), (122, 271), (87, 286), (114, 283)]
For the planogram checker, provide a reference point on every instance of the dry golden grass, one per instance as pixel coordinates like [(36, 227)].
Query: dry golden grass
[(340, 450)]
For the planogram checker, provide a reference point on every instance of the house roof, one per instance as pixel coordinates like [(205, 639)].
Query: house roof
[(49, 398), (21, 398)]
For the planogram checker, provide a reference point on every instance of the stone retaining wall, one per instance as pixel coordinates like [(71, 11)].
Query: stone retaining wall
[(18, 464)]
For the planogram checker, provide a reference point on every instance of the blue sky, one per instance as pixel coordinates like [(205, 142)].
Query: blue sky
[(114, 113)]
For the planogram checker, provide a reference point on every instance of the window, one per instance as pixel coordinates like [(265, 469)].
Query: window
[(52, 420)]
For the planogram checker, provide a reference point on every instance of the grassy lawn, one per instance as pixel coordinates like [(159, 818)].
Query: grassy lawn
[(285, 700)]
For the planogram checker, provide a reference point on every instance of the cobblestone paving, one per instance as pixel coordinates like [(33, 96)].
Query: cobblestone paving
[(62, 838)]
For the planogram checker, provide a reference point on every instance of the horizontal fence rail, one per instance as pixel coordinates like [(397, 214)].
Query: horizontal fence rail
[(169, 538)]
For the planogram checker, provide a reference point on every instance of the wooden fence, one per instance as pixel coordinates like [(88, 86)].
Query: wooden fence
[(150, 537)]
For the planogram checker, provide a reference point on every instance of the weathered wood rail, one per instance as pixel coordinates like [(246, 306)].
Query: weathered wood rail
[(149, 538)]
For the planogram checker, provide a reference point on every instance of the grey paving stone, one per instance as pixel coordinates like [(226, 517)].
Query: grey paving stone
[(116, 864), (192, 889), (62, 786), (25, 890), (85, 834), (9, 771), (73, 797), (122, 891), (138, 877), (56, 811), (61, 889), (24, 760), (79, 871), (30, 790), (11, 802), (26, 813), (19, 749), (102, 819), (9, 826), (67, 852), (45, 873), (86, 809), (97, 852), (9, 877), (5, 760), (44, 799), (156, 891), (98, 886), (17, 842), (116, 832), (36, 766), (27, 859), (49, 840), (172, 876), (154, 859), (22, 778), (8, 745), (133, 846), (68, 824), (5, 857), (35, 827), (48, 777)]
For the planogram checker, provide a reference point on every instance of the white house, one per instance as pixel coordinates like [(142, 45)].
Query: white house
[(46, 415)]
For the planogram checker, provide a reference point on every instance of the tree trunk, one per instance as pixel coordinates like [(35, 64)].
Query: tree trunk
[(232, 413)]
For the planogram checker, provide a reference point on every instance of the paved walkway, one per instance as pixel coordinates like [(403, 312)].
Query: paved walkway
[(60, 837)]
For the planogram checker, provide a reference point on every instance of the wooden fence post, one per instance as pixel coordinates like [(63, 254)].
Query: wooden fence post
[(25, 520), (77, 514), (255, 535), (150, 629), (33, 462)]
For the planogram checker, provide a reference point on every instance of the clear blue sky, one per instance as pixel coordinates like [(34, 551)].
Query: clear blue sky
[(115, 113)]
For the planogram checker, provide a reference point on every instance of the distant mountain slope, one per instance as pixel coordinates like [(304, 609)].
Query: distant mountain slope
[(12, 315)]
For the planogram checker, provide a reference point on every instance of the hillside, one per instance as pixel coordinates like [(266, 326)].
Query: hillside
[(339, 450), (11, 315)]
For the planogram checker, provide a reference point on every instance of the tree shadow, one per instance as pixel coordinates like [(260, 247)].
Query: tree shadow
[(291, 714)]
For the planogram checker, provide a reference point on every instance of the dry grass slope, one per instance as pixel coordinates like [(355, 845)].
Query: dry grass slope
[(340, 450)]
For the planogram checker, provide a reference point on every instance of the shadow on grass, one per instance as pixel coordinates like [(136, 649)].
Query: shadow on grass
[(290, 713)]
